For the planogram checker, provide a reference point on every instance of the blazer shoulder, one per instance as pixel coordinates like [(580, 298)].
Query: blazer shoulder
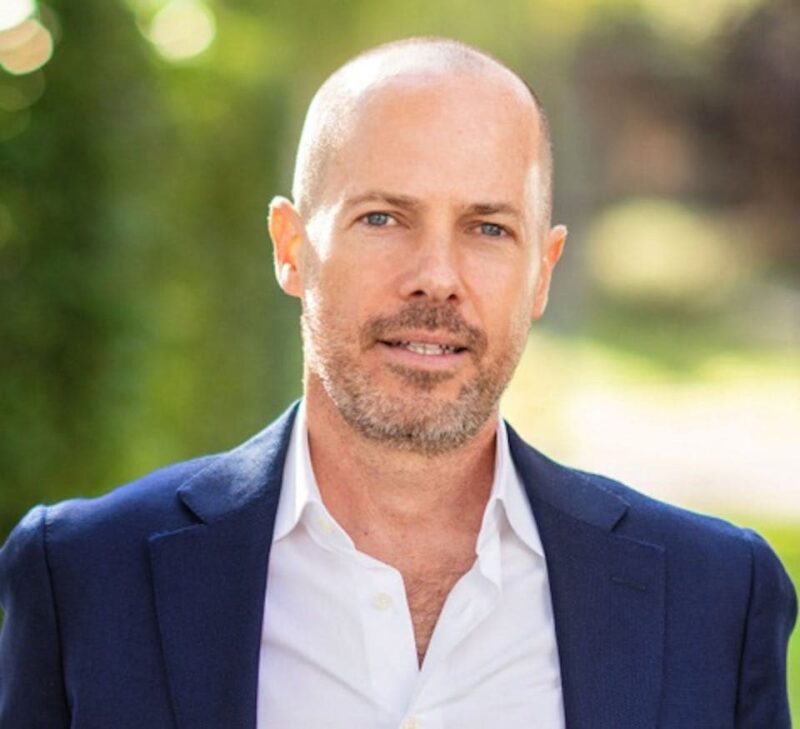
[(670, 524), (167, 499), (709, 560), (716, 551), (147, 504), (628, 512), (682, 531)]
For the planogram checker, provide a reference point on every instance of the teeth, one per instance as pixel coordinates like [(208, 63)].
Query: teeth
[(427, 349)]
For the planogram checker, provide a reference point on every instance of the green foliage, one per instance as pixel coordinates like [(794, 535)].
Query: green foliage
[(140, 321)]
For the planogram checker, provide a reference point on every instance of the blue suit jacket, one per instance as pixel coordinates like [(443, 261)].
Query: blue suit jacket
[(143, 608)]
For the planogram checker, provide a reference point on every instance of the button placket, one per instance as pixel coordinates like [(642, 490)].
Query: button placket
[(388, 634)]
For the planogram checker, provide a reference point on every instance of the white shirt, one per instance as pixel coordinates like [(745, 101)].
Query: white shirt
[(337, 646)]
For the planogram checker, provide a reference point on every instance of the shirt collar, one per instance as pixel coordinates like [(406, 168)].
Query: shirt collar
[(507, 499), (509, 492), (299, 491)]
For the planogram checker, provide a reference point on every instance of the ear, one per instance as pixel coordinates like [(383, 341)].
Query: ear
[(287, 232), (551, 252)]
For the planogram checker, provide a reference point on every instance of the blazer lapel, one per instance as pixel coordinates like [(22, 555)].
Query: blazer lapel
[(210, 580), (608, 595)]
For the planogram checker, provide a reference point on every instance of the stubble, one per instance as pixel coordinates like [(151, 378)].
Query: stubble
[(416, 419)]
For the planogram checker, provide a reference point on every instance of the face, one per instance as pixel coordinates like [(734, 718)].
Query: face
[(424, 261)]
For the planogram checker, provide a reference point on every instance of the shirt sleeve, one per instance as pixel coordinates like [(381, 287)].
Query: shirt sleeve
[(32, 694), (762, 699)]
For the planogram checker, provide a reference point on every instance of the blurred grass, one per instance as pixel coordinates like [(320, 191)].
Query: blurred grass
[(718, 439)]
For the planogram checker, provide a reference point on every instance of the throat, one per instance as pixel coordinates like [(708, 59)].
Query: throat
[(363, 482)]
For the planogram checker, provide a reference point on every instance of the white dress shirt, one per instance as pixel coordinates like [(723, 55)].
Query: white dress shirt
[(337, 647)]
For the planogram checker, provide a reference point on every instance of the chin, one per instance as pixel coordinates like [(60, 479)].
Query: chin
[(414, 421)]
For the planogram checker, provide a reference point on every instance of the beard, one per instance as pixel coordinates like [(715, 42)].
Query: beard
[(416, 419)]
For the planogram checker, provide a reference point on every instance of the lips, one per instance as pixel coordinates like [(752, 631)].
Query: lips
[(426, 329), (430, 349)]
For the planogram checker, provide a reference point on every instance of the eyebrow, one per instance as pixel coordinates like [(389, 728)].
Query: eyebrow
[(405, 202), (498, 208), (400, 201)]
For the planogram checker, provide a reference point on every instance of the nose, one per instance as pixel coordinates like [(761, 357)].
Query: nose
[(432, 270)]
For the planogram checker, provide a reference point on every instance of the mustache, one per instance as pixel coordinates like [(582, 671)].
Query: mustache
[(431, 317)]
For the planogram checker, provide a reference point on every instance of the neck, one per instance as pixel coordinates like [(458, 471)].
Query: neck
[(371, 488)]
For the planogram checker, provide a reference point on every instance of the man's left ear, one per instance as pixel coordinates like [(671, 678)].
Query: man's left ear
[(551, 252)]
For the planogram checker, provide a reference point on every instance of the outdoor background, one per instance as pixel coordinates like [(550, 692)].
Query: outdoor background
[(140, 324)]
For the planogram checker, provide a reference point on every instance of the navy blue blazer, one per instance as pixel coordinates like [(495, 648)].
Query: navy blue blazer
[(142, 609)]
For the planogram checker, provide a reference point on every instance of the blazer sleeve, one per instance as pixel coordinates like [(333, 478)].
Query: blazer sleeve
[(32, 694), (762, 699)]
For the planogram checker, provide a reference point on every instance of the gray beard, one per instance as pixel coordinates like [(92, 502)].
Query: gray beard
[(417, 422)]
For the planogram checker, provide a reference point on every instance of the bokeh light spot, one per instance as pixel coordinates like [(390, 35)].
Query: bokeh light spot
[(182, 29), (25, 48), (14, 12), (18, 36)]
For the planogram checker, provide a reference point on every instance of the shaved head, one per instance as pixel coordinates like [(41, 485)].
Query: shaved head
[(335, 106), (419, 241)]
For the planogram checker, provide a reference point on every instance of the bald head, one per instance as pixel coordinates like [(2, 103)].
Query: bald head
[(334, 110)]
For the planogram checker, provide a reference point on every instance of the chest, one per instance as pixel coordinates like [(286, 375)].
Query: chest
[(351, 631), (426, 591)]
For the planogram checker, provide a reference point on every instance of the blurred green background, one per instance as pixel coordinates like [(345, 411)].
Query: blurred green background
[(141, 141)]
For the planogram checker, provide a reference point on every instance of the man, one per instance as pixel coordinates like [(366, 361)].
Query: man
[(389, 553)]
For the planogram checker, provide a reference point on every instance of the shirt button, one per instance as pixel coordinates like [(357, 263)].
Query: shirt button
[(382, 601), (411, 723), (325, 526)]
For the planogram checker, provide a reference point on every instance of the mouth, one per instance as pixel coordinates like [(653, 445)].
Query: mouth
[(425, 349), (425, 336)]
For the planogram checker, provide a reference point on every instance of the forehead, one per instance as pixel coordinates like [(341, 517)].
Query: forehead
[(462, 137)]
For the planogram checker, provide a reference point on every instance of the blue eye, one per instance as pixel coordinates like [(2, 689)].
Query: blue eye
[(492, 229), (377, 220)]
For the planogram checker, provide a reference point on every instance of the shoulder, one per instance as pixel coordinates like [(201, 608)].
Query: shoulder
[(109, 527), (714, 548), (709, 547), (707, 553), (140, 507), (651, 519)]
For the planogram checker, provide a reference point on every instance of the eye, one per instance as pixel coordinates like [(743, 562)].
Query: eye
[(493, 230), (378, 220)]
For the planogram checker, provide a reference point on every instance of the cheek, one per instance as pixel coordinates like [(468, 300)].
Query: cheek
[(326, 280), (526, 290), (505, 293), (339, 302)]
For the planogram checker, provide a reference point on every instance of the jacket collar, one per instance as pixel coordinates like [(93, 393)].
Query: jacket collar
[(568, 491), (248, 473)]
